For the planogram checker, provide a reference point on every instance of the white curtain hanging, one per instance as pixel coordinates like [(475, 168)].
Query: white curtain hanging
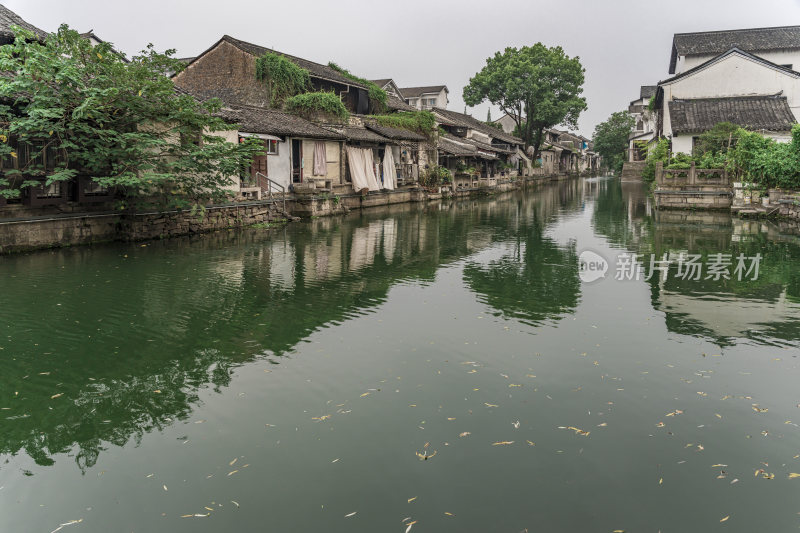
[(389, 171), (355, 158), (320, 159), (369, 163)]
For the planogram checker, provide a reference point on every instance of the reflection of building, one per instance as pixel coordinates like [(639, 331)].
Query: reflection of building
[(724, 309), (726, 317)]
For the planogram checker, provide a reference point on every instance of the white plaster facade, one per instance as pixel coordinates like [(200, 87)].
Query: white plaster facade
[(732, 74), (428, 100), (789, 58)]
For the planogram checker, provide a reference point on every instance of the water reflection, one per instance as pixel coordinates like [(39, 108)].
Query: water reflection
[(107, 344), (724, 310)]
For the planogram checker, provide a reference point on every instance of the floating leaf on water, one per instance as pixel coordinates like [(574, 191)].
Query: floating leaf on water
[(410, 525), (725, 519), (54, 396), (449, 514), (351, 514), (503, 443), (793, 475), (232, 473), (365, 394), (233, 462), (412, 499), (165, 488), (235, 503), (465, 434)]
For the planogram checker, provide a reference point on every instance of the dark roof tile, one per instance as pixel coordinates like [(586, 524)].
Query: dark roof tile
[(465, 121), (273, 122), (414, 92), (8, 18), (750, 40), (396, 134), (316, 70), (770, 113)]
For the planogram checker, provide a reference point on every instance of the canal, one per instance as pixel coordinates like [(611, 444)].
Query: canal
[(439, 367)]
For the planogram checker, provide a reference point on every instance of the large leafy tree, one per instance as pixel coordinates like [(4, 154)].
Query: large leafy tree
[(539, 87), (89, 112), (611, 138)]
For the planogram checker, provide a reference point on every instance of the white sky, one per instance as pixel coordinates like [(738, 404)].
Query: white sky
[(622, 43)]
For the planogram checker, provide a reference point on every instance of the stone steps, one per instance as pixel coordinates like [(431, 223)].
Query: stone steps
[(633, 171)]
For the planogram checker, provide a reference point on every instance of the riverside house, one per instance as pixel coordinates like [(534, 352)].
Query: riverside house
[(227, 70), (746, 77), (426, 98), (477, 153)]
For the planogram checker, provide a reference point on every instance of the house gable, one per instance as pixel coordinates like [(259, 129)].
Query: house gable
[(226, 72), (732, 75)]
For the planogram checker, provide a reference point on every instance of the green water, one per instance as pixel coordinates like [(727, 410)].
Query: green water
[(281, 380)]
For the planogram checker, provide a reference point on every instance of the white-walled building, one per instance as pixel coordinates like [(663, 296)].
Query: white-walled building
[(780, 45), (426, 97), (735, 86)]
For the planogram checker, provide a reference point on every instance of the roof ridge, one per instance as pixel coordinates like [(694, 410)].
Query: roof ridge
[(231, 38), (737, 30)]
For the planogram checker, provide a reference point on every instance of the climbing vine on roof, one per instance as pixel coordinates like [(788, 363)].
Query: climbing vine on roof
[(310, 104), (282, 77), (422, 122), (377, 96)]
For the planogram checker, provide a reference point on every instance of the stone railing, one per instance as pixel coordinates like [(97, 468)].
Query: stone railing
[(691, 177)]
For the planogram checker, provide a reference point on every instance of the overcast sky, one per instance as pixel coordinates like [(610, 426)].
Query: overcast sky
[(622, 43)]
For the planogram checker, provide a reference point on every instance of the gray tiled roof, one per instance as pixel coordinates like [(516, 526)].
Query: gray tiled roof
[(771, 113), (452, 146), (751, 40), (396, 134), (647, 91), (8, 18), (396, 104), (357, 133), (460, 119), (381, 83), (414, 92), (274, 122), (316, 70)]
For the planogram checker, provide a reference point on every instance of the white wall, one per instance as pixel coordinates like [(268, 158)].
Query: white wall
[(441, 100), (780, 57), (734, 75)]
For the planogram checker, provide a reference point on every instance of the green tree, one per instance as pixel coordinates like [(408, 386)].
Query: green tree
[(86, 111), (542, 84), (611, 138)]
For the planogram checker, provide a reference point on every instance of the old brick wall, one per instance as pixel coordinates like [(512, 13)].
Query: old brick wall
[(225, 72)]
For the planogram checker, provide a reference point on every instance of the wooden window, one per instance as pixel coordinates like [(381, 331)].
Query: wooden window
[(271, 146)]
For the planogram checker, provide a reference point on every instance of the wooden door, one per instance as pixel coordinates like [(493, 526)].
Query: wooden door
[(297, 161), (259, 165)]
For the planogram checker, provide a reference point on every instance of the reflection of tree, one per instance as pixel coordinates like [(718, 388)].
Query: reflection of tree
[(620, 215), (536, 281), (114, 342)]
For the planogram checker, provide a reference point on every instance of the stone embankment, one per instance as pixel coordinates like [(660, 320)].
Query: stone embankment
[(30, 230)]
